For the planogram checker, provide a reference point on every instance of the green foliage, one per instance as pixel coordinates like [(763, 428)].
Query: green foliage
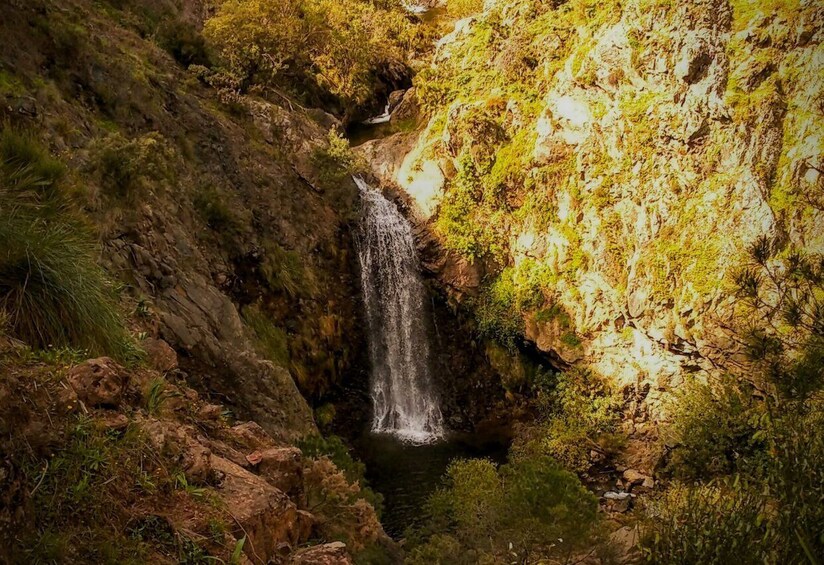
[(272, 341), (529, 509), (212, 207), (285, 271), (762, 438), (335, 162), (716, 429), (332, 448), (129, 169), (334, 48), (184, 43), (781, 305), (577, 412), (83, 490), (51, 288), (156, 396), (462, 8), (707, 524)]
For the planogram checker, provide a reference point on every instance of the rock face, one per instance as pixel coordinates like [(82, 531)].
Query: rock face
[(616, 208), (211, 210)]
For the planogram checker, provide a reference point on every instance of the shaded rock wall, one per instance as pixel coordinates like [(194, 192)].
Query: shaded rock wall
[(205, 204)]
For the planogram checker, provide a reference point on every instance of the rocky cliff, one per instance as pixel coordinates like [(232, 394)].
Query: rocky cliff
[(209, 208), (224, 220), (590, 174)]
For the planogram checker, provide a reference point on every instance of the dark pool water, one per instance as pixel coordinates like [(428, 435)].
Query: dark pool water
[(407, 474)]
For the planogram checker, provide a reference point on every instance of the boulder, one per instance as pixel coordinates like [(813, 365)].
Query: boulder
[(634, 477), (251, 436), (395, 98), (98, 382), (282, 467), (406, 108), (210, 412), (263, 513), (178, 442), (159, 355), (325, 554)]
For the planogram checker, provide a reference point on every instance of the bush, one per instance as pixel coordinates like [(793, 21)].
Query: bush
[(577, 412), (211, 205), (84, 496), (717, 524), (184, 43), (332, 49), (716, 430), (51, 289), (132, 168), (529, 509), (763, 436), (337, 492), (463, 8)]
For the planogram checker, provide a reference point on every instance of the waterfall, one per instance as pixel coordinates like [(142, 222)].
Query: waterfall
[(401, 386)]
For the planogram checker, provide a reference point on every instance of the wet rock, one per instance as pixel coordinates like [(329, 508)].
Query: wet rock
[(98, 382), (395, 98), (325, 554), (406, 108)]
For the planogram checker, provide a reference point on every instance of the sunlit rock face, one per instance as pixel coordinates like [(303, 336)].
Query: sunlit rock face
[(649, 143)]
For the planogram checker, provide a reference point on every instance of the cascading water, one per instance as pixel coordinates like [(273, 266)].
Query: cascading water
[(401, 387)]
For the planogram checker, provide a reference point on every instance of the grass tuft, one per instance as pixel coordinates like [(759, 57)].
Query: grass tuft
[(52, 291)]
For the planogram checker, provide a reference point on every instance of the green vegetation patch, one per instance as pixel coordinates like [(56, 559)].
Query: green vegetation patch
[(51, 289)]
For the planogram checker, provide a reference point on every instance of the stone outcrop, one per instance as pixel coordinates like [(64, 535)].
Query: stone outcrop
[(326, 554)]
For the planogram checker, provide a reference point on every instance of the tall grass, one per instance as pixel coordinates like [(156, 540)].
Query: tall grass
[(51, 289)]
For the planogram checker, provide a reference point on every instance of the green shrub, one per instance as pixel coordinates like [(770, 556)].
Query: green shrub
[(716, 429), (336, 162), (129, 169), (80, 505), (284, 270), (529, 509), (576, 412), (711, 525), (463, 8), (51, 288), (763, 436), (184, 43), (319, 49), (211, 205), (333, 448)]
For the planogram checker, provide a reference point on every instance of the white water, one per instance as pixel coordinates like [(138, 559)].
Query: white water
[(404, 401), (380, 118), (413, 8)]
